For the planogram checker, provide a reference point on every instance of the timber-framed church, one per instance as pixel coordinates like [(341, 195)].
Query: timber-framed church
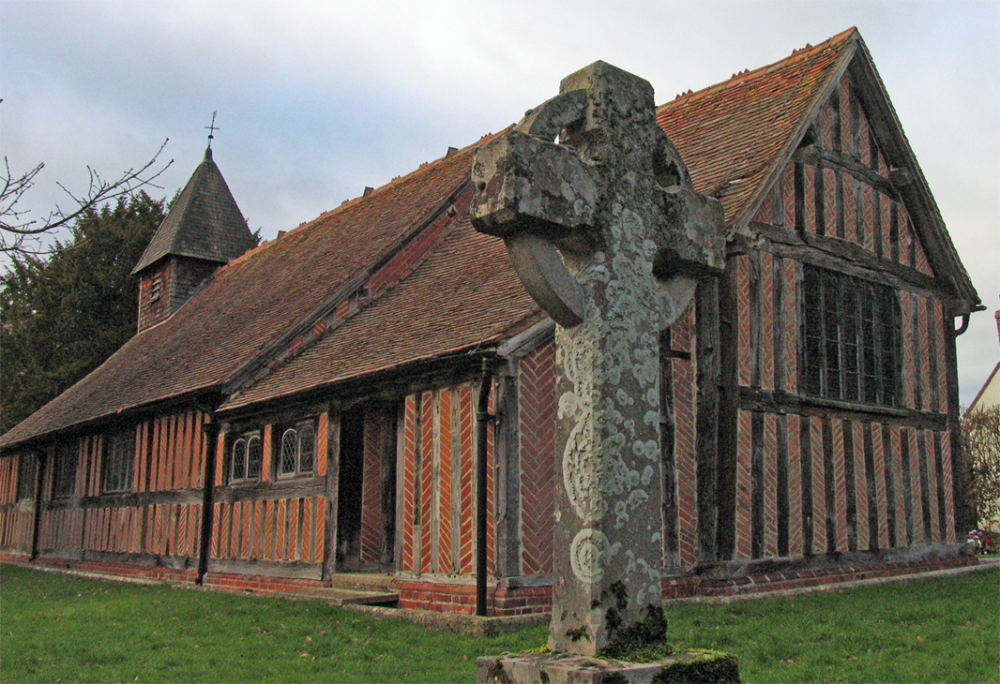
[(318, 410)]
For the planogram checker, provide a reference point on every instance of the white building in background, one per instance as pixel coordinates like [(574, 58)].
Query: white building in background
[(989, 395)]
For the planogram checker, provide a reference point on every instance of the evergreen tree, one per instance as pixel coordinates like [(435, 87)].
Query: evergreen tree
[(61, 317)]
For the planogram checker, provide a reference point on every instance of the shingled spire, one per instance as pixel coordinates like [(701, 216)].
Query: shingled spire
[(202, 231)]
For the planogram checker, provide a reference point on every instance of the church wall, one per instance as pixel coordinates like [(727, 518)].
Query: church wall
[(816, 470), (16, 506), (150, 512), (438, 483), (154, 294), (269, 522), (538, 462)]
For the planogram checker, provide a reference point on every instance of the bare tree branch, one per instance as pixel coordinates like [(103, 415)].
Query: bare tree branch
[(20, 234)]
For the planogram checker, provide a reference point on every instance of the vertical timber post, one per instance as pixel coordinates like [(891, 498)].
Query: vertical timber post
[(482, 498), (211, 434), (40, 463)]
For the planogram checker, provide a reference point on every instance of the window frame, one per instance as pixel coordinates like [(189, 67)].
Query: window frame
[(117, 461), (287, 466), (65, 463), (851, 341), (250, 462), (27, 466)]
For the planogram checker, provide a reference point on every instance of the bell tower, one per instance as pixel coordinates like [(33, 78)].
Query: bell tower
[(203, 230)]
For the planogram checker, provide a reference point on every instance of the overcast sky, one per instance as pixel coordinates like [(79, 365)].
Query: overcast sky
[(317, 100)]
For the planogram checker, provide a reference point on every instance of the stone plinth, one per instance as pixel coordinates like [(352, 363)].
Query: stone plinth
[(564, 668)]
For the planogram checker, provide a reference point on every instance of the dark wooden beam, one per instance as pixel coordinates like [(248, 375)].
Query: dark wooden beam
[(780, 402), (838, 255), (332, 492), (210, 436), (707, 453), (41, 461), (838, 161), (728, 407), (507, 465)]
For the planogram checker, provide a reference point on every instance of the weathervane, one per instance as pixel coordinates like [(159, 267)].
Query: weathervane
[(212, 129)]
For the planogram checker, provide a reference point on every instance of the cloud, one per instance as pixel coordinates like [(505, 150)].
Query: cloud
[(318, 99)]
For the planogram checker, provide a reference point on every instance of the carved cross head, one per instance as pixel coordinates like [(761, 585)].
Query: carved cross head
[(570, 168)]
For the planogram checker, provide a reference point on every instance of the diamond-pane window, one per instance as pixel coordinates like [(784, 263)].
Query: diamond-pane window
[(307, 448), (239, 460), (296, 449), (289, 452), (255, 457), (246, 457)]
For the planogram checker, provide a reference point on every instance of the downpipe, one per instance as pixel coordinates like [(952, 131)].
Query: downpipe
[(483, 419)]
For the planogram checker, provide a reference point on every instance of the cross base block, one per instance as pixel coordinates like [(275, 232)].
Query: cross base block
[(566, 668)]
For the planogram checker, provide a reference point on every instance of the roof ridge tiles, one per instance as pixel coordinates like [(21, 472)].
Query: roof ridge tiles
[(741, 77), (424, 167)]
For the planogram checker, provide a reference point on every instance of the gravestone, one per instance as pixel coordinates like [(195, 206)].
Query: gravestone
[(601, 223)]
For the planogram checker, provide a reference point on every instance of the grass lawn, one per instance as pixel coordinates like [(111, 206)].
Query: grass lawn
[(62, 628)]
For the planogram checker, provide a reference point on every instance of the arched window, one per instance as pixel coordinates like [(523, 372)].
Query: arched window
[(307, 448), (246, 457), (288, 464), (296, 449), (255, 457), (239, 460)]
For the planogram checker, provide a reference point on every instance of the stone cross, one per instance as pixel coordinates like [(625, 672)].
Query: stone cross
[(597, 212)]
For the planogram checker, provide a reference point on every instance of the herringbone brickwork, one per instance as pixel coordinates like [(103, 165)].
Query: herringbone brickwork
[(409, 481), (371, 489), (467, 490), (819, 507), (744, 487), (795, 537), (861, 480), (428, 485), (444, 492), (882, 466), (840, 485), (537, 415), (742, 276), (438, 529), (770, 457), (949, 502)]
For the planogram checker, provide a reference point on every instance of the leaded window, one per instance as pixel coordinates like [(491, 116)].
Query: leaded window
[(297, 449), (116, 469), (852, 341), (246, 458), (64, 470)]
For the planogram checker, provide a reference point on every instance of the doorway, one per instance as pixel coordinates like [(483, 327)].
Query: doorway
[(366, 502)]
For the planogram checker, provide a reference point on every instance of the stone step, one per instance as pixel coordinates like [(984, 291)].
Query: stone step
[(342, 597), (359, 581)]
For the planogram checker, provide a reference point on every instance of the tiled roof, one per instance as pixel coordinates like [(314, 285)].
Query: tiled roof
[(735, 134), (250, 302), (204, 222), (464, 295), (732, 132)]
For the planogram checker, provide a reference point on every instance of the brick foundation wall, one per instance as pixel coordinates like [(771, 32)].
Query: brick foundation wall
[(783, 580), (442, 595), (460, 597)]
